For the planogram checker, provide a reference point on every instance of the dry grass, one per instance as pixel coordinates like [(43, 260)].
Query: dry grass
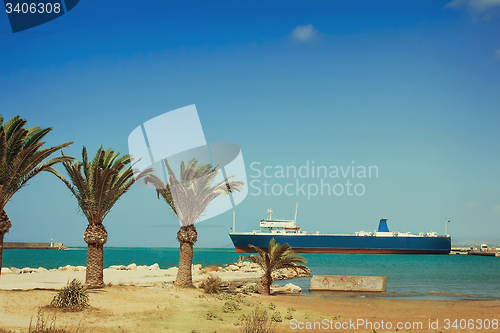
[(72, 297), (258, 321), (211, 285), (47, 324), (208, 269)]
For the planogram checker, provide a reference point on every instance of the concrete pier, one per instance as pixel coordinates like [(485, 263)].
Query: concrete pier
[(18, 245), (347, 283)]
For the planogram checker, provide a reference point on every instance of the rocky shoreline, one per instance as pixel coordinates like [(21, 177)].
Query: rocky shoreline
[(241, 276)]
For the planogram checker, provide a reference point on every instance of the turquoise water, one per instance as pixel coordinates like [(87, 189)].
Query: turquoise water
[(408, 276)]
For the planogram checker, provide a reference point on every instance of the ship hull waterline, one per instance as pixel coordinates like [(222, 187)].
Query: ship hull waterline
[(346, 244)]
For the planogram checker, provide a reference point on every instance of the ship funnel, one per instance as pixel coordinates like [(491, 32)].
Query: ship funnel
[(382, 226)]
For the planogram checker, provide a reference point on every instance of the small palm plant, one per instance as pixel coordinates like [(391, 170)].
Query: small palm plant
[(277, 256), (21, 158), (97, 185), (73, 296), (188, 197)]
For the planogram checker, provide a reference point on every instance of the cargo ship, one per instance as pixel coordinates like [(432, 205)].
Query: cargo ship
[(380, 241)]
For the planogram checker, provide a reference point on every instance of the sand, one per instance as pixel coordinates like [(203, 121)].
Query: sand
[(59, 279), (153, 304)]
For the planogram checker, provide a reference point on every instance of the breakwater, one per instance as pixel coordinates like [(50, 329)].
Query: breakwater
[(18, 245)]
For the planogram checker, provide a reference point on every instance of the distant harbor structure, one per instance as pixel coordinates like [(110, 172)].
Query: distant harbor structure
[(480, 250), (19, 245)]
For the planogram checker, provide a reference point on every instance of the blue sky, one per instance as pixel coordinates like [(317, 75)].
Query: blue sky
[(411, 87)]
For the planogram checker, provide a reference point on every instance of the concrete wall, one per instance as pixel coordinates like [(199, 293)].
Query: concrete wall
[(19, 245), (347, 283)]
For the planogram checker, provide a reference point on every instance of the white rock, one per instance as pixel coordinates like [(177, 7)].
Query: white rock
[(42, 270), (132, 267), (53, 270), (118, 267), (6, 270), (292, 288), (154, 267), (142, 268), (198, 266), (15, 270), (27, 270), (80, 268), (233, 267)]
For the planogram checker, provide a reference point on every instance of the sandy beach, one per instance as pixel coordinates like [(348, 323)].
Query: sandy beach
[(58, 279), (147, 301)]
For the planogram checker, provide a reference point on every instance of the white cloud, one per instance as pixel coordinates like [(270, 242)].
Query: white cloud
[(472, 205), (497, 208), (474, 6), (305, 33), (456, 4), (483, 5)]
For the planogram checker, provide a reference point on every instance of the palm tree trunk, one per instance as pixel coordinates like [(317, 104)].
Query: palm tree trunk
[(265, 284), (95, 236), (1, 251), (94, 277), (187, 236), (4, 228)]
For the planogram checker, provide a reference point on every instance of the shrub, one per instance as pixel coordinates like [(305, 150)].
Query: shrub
[(224, 296), (251, 289), (210, 315), (289, 314), (276, 317), (239, 298), (208, 269), (272, 306), (259, 321), (230, 306), (74, 296), (211, 285)]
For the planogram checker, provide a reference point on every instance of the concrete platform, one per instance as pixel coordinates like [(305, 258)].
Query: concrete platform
[(347, 283)]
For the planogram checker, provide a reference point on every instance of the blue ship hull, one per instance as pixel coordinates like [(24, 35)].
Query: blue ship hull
[(311, 243)]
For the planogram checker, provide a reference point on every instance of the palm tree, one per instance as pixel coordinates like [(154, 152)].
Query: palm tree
[(277, 256), (188, 199), (97, 185), (21, 158)]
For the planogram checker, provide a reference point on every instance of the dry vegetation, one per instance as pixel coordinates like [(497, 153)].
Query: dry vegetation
[(166, 308), (160, 308), (211, 285), (72, 297), (209, 269)]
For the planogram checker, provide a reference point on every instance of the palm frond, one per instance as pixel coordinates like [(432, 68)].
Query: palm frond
[(22, 155), (99, 183), (277, 256)]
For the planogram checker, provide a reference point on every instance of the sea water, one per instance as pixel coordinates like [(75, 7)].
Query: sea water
[(408, 276)]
